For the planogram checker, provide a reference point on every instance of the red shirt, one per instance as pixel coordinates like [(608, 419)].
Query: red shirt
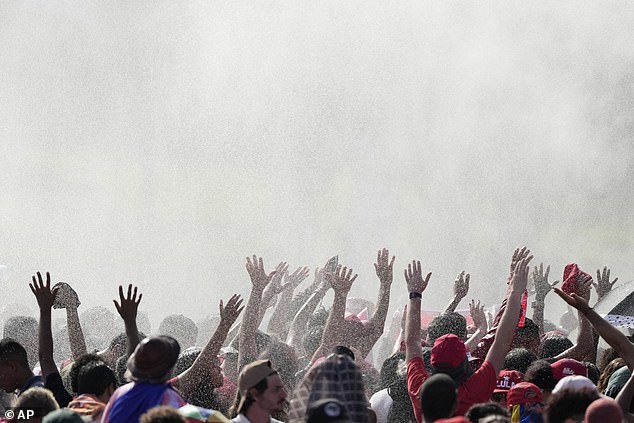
[(478, 388)]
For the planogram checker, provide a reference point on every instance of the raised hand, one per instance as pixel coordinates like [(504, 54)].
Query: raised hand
[(461, 285), (44, 295), (518, 255), (414, 277), (128, 305), (255, 268), (230, 312), (293, 280), (540, 281), (519, 277), (66, 296), (341, 280), (584, 286), (573, 299), (603, 284), (477, 314), (384, 266)]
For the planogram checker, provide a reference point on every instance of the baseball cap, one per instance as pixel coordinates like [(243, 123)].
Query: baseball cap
[(448, 351), (507, 379), (327, 410), (603, 410), (523, 393), (568, 367), (252, 374), (153, 358)]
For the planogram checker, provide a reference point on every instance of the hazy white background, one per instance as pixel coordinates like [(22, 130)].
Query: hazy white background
[(160, 142)]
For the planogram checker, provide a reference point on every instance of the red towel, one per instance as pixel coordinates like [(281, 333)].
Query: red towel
[(571, 275)]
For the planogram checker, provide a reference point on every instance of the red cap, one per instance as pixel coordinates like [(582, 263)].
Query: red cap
[(507, 379), (568, 367), (448, 351), (523, 393)]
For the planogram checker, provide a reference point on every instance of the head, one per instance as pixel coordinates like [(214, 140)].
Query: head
[(527, 337), (14, 365), (506, 380), (568, 367), (259, 387), (24, 329), (181, 328), (569, 405), (327, 410), (606, 357), (574, 383), (389, 370), (153, 359), (162, 414), (617, 381), (604, 410), (101, 325), (553, 344), (449, 356), (486, 409), (81, 361), (39, 400), (540, 373), (525, 403), (519, 359), (438, 397), (607, 372), (96, 378), (447, 323), (63, 415)]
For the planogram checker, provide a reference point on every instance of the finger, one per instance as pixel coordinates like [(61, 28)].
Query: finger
[(405, 274), (33, 289), (139, 300), (598, 275), (221, 307), (129, 291), (136, 290), (547, 272), (378, 257), (48, 280), (467, 279), (354, 278), (613, 282), (117, 306), (392, 261), (121, 297), (39, 278)]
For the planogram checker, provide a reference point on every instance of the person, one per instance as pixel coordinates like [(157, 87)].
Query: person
[(15, 373), (162, 414), (604, 410), (149, 368), (525, 403), (438, 398), (96, 383), (569, 405), (37, 400), (261, 392), (327, 410), (449, 353)]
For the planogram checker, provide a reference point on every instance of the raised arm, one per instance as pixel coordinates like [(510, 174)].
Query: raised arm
[(188, 381), (127, 307), (341, 281), (624, 399), (416, 284), (273, 289), (67, 298), (480, 322), (460, 290), (542, 288), (252, 317), (281, 319), (511, 314), (612, 335), (585, 348), (384, 271), (45, 298), (603, 284), (298, 327)]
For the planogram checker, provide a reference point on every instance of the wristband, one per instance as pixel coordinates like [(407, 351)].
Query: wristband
[(413, 295)]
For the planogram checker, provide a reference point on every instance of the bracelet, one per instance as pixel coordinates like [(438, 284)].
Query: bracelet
[(413, 295)]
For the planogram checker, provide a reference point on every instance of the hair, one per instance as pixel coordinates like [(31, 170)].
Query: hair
[(593, 372), (39, 400), (485, 409), (23, 329), (519, 359), (94, 378), (606, 357), (401, 409), (249, 400), (526, 335), (162, 414), (540, 373), (76, 367), (438, 397), (181, 328), (459, 373), (389, 370), (608, 371), (12, 350), (569, 404), (445, 323), (552, 345)]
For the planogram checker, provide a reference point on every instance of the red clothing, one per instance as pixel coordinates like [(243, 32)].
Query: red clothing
[(478, 388)]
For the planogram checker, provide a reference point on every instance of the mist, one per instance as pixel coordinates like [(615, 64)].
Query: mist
[(161, 142)]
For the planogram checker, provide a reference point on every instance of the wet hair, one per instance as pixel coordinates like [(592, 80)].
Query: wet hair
[(162, 414), (77, 365), (608, 371), (593, 372), (485, 409), (388, 374), (12, 350), (438, 397), (569, 404), (39, 400), (445, 323), (181, 328), (606, 357), (526, 335), (553, 345), (518, 359), (341, 349), (540, 373), (94, 378)]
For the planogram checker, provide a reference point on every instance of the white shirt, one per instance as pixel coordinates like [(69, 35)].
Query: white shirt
[(241, 418), (381, 403)]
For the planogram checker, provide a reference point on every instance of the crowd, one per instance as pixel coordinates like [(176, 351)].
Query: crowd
[(315, 365)]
